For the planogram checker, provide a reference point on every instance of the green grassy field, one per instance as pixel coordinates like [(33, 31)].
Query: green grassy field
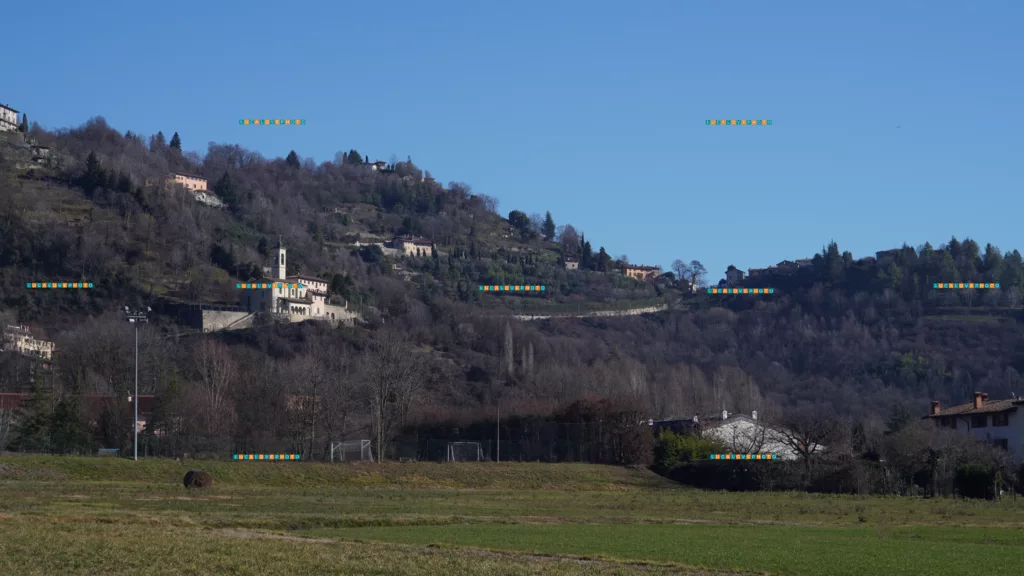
[(92, 515)]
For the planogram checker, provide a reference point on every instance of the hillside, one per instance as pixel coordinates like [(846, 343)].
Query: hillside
[(856, 336)]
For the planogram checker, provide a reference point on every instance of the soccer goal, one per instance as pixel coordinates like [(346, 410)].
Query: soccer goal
[(465, 452), (352, 451)]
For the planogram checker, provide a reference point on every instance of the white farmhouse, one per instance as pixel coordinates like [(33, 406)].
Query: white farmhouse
[(738, 433), (996, 422)]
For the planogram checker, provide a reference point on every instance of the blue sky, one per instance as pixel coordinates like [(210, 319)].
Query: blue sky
[(593, 110)]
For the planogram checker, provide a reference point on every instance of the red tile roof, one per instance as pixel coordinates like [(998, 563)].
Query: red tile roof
[(987, 407)]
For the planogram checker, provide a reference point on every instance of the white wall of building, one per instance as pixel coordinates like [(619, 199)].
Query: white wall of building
[(1013, 433), (8, 119), (743, 435)]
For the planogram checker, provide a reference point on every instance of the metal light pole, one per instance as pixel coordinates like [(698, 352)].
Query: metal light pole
[(136, 317)]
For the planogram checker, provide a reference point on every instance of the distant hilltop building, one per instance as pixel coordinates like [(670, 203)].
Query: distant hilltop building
[(188, 181), (197, 185), (379, 165), (642, 273), (8, 119), (20, 339), (733, 276), (572, 264)]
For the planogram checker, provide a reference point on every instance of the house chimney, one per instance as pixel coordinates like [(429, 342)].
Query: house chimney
[(936, 408), (984, 396), (977, 400), (725, 415), (754, 414), (695, 419)]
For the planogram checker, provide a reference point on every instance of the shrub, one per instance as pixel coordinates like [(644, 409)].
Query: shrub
[(672, 450)]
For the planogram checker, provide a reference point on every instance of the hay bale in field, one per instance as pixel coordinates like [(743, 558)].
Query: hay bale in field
[(198, 479)]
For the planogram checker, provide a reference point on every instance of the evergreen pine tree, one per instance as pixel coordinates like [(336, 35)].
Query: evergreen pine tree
[(24, 123), (176, 142), (292, 159), (68, 432), (157, 143), (225, 190), (35, 418), (548, 228)]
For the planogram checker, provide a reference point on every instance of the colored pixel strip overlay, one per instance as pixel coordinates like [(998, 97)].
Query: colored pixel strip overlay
[(744, 457), (513, 288), (58, 285), (247, 122), (970, 285), (741, 290), (738, 122), (267, 456), (251, 286)]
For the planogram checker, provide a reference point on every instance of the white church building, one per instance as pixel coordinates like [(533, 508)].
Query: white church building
[(297, 296)]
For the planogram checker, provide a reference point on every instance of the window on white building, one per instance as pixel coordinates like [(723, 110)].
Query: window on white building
[(979, 421), (1001, 419)]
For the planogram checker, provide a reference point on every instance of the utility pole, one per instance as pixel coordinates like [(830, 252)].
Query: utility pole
[(497, 457), (136, 317)]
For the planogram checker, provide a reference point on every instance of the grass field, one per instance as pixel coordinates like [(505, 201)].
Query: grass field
[(109, 516)]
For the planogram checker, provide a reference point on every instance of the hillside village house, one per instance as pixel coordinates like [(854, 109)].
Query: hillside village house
[(802, 263), (733, 276), (8, 119), (40, 154), (572, 264), (999, 423), (20, 339), (642, 273), (197, 185), (886, 256), (190, 182), (379, 165), (412, 246), (738, 433)]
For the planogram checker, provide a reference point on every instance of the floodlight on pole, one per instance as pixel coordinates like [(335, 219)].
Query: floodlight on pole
[(136, 318)]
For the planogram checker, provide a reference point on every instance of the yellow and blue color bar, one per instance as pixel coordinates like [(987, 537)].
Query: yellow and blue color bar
[(263, 285), (58, 285), (267, 456), (965, 285), (278, 122), (744, 457), (738, 122), (513, 288), (741, 290)]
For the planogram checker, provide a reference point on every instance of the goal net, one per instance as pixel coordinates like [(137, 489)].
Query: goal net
[(351, 451), (465, 452)]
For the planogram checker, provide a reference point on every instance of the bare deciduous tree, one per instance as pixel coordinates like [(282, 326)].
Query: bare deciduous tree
[(508, 355), (6, 426), (214, 371), (681, 269), (393, 376), (808, 431)]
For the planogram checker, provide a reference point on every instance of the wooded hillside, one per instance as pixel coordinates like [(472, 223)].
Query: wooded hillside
[(857, 337)]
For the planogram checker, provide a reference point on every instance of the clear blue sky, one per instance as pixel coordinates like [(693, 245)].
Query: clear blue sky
[(593, 110)]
